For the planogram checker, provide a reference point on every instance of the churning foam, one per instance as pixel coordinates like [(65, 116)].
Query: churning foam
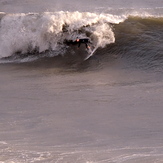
[(27, 32)]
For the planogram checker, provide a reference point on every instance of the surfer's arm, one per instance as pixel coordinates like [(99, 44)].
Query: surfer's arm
[(87, 46)]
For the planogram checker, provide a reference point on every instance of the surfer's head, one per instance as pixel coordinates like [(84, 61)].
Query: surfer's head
[(77, 39)]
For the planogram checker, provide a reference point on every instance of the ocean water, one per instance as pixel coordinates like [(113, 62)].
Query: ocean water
[(57, 108)]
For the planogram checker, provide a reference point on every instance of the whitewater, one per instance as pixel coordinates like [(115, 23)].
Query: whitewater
[(56, 107), (26, 32)]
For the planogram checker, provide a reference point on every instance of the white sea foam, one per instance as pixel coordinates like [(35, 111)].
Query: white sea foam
[(3, 142)]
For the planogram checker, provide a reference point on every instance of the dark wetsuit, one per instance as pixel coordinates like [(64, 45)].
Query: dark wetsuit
[(80, 41), (83, 41)]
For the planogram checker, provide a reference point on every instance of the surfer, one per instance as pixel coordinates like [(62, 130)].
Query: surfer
[(80, 41), (83, 41)]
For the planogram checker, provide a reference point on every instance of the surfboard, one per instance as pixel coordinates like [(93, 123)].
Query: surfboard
[(90, 53)]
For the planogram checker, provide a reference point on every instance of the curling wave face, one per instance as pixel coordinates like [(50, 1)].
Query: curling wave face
[(25, 33)]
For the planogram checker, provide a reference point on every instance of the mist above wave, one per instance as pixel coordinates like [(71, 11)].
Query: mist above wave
[(19, 6)]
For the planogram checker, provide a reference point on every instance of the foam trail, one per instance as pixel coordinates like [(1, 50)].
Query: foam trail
[(25, 33)]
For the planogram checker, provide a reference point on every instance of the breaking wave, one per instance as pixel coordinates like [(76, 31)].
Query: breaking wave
[(36, 33), (25, 33)]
